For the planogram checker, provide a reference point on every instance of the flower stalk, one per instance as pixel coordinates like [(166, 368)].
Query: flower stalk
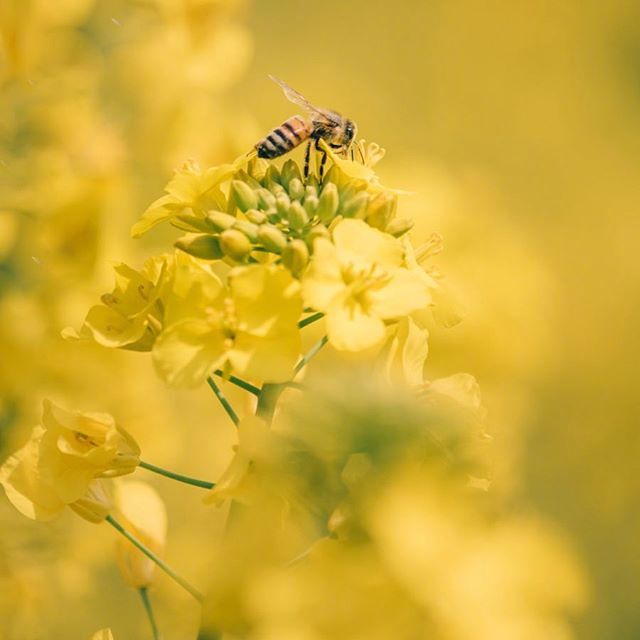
[(203, 484), (146, 601)]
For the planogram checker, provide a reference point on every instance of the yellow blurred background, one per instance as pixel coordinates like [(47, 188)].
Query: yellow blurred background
[(515, 125)]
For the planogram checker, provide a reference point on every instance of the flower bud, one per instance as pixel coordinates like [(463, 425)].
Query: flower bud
[(221, 221), (248, 228), (282, 204), (311, 204), (295, 257), (310, 190), (235, 244), (271, 238), (399, 226), (296, 190), (297, 216), (191, 223), (257, 168), (96, 504), (355, 206), (204, 246), (328, 203), (272, 176), (290, 170), (143, 514), (266, 199), (381, 210), (257, 217), (243, 195)]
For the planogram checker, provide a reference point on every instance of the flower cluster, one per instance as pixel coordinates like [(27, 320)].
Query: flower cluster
[(265, 245)]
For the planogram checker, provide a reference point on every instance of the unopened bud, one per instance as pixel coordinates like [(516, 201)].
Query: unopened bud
[(204, 246), (355, 206), (221, 221), (399, 226), (328, 203), (272, 176), (248, 228), (255, 216), (290, 170), (310, 190), (380, 210), (295, 257), (191, 223), (235, 244), (297, 216), (245, 197), (266, 199), (311, 204), (296, 190), (282, 204), (96, 504), (271, 238)]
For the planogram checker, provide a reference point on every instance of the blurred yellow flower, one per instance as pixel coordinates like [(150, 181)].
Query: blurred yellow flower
[(359, 281), (61, 459), (142, 512), (254, 438), (96, 504), (103, 634), (131, 314), (249, 328)]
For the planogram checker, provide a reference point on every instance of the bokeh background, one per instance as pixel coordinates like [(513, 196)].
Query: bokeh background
[(516, 126)]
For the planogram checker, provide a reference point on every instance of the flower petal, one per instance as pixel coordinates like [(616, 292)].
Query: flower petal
[(266, 299), (359, 244), (186, 352), (351, 329), (403, 293), (322, 282), (269, 358)]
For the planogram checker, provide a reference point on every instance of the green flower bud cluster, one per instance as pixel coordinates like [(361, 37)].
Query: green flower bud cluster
[(280, 212)]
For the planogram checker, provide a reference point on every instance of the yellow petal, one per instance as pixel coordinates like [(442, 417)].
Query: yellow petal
[(159, 211), (351, 329), (407, 353), (103, 634), (111, 329), (269, 358), (322, 282), (21, 479), (186, 352), (404, 293), (359, 244), (266, 298)]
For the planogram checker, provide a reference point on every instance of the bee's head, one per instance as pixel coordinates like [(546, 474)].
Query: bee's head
[(350, 130)]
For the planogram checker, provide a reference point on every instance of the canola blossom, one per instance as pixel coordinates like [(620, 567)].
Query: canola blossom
[(365, 482)]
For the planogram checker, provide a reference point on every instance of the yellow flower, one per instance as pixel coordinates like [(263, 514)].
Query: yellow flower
[(249, 327), (402, 360), (131, 314), (61, 459), (360, 282), (103, 634), (143, 514), (191, 190)]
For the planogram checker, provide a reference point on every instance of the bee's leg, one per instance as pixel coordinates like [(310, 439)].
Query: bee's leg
[(307, 160), (323, 160)]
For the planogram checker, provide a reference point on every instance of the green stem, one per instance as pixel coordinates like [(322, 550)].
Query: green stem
[(146, 601), (203, 484), (154, 558), (311, 353), (310, 319), (223, 400), (243, 384)]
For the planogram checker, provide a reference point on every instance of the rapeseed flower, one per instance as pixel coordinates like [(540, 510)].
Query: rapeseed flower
[(358, 280), (61, 460)]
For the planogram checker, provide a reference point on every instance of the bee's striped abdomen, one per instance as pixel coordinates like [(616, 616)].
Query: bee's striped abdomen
[(284, 138)]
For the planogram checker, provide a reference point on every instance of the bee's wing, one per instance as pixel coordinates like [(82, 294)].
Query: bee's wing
[(297, 98)]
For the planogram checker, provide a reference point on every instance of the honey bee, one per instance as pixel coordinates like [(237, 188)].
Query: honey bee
[(336, 130)]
